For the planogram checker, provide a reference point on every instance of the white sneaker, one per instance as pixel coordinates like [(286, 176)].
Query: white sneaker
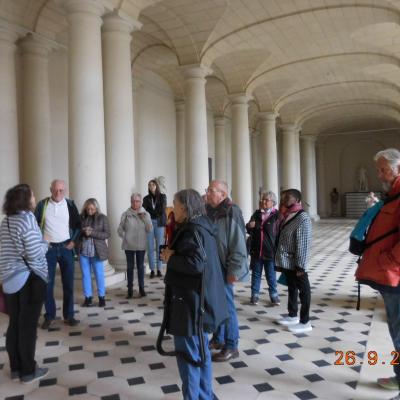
[(300, 328), (288, 321)]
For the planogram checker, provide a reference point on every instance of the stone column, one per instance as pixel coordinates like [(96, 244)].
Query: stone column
[(289, 157), (255, 163), (309, 175), (180, 144), (298, 158), (241, 164), (269, 153), (36, 149), (118, 113), (87, 162), (9, 156), (196, 127), (220, 149), (321, 187)]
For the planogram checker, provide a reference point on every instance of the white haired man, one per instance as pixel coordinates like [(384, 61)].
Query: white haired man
[(380, 262)]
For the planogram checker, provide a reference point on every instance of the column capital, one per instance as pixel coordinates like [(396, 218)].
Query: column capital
[(95, 7), (36, 45), (195, 71), (118, 21), (267, 116), (179, 105), (253, 132), (289, 128), (240, 98), (10, 32), (219, 120), (309, 138)]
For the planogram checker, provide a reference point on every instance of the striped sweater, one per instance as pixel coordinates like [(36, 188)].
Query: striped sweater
[(25, 241), (294, 243)]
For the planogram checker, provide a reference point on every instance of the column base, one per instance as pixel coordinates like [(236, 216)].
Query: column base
[(315, 217)]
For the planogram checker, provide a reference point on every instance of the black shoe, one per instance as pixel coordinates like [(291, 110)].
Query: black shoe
[(102, 302), (71, 321), (87, 302), (254, 300), (129, 295), (159, 274), (47, 323), (142, 292), (152, 274)]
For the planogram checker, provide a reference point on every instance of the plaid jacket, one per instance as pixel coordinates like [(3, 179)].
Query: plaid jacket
[(294, 243)]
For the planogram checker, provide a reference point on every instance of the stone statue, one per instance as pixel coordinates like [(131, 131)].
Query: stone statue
[(334, 195), (161, 183), (362, 180)]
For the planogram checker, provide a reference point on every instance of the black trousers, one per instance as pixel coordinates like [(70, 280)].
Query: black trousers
[(24, 309), (298, 286)]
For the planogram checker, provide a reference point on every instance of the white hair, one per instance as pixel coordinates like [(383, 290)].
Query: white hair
[(392, 156), (136, 196)]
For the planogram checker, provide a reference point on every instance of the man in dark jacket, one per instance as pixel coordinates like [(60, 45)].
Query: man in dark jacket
[(263, 229), (59, 222), (233, 255)]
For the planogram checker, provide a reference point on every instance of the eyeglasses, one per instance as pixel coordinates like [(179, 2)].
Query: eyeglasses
[(212, 190)]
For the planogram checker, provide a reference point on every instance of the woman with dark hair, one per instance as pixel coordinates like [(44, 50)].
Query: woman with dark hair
[(194, 305), (93, 250), (23, 272), (155, 203)]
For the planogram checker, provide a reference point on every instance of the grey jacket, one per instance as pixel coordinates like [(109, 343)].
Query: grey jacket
[(294, 243), (133, 229)]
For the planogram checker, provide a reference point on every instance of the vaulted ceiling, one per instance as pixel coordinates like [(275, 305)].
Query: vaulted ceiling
[(326, 65)]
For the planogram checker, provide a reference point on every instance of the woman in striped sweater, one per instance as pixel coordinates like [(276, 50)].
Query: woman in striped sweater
[(23, 272)]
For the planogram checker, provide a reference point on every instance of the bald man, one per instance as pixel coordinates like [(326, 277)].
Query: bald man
[(233, 255), (59, 222)]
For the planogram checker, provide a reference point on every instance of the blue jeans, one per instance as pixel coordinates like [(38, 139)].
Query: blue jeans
[(89, 264), (65, 258), (158, 234), (196, 381), (130, 261), (228, 332), (392, 305), (270, 276)]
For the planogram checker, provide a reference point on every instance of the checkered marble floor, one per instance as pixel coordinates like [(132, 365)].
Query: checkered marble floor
[(111, 354)]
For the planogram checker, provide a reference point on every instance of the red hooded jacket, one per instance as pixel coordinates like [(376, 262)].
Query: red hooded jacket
[(380, 263)]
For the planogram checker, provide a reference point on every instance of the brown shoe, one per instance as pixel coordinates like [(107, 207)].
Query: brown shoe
[(215, 346), (225, 355)]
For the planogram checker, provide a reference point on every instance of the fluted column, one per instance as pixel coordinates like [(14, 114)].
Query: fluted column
[(196, 127), (9, 156), (309, 175), (241, 164), (289, 157), (255, 163), (220, 149), (36, 150), (321, 187), (118, 113), (269, 151), (180, 144), (87, 164), (298, 158)]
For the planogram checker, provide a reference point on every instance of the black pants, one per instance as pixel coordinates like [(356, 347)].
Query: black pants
[(298, 286), (24, 309), (130, 261)]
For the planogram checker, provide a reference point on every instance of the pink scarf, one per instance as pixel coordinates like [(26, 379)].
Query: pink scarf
[(296, 207)]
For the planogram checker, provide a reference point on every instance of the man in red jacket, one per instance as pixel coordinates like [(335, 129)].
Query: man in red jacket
[(380, 263)]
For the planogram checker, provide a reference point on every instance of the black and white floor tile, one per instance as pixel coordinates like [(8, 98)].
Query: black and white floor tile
[(111, 354)]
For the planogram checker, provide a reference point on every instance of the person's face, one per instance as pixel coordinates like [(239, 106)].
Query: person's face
[(136, 203), (266, 203), (152, 187), (385, 172), (289, 200), (57, 191), (215, 195), (91, 209), (179, 212)]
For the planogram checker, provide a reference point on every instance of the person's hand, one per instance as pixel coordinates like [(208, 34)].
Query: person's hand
[(231, 279), (47, 237), (251, 224), (70, 245), (166, 254)]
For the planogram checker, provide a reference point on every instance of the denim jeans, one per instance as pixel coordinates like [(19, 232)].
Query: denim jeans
[(270, 275), (196, 381), (156, 234), (65, 258), (130, 261), (24, 309), (392, 305), (228, 332), (89, 264)]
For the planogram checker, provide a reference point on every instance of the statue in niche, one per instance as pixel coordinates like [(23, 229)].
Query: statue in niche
[(362, 180), (161, 183), (334, 195)]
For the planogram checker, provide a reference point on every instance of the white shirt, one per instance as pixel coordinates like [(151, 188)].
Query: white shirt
[(56, 223)]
